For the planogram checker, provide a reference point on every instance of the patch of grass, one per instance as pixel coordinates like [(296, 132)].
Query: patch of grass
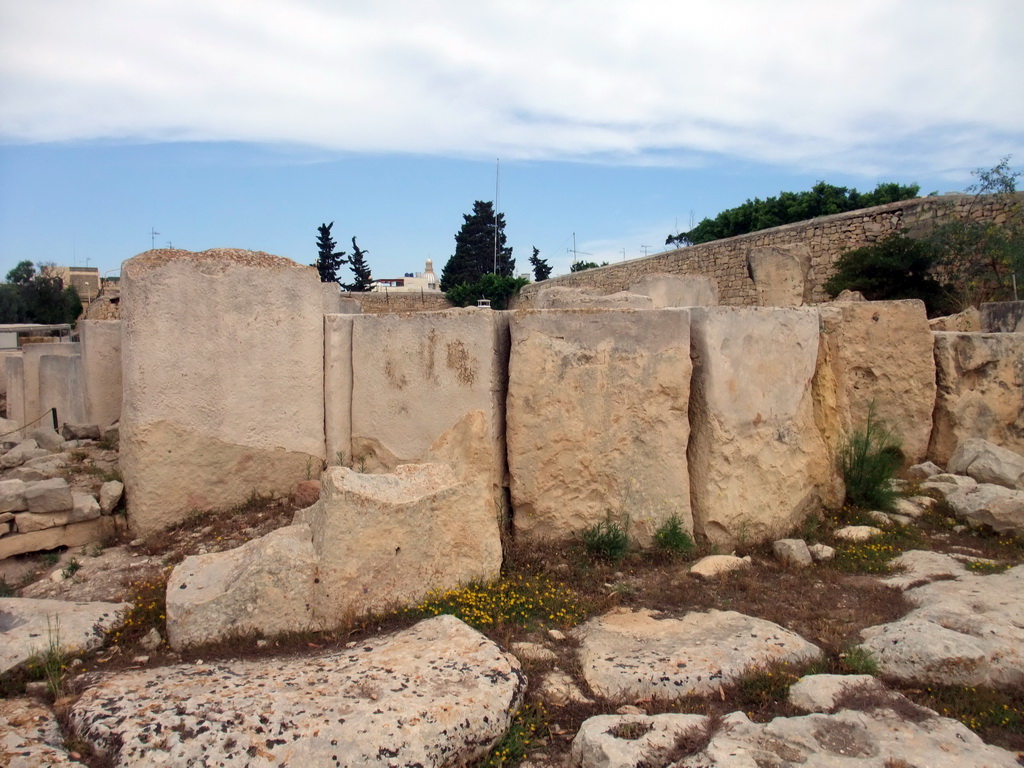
[(521, 600), (529, 728), (764, 686), (858, 661), (6, 590), (50, 559), (606, 540), (873, 555), (693, 740), (671, 536), (50, 665), (984, 568), (71, 568), (630, 731), (868, 460)]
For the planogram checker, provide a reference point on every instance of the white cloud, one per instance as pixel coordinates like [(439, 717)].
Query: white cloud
[(856, 87)]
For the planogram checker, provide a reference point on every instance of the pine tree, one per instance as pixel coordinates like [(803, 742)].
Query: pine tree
[(360, 270), (328, 261), (541, 268), (474, 249)]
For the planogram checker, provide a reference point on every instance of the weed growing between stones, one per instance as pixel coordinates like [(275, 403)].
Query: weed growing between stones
[(995, 715), (763, 686), (985, 568), (868, 460), (606, 540), (520, 600), (630, 731), (71, 568), (50, 665), (529, 725), (6, 590), (858, 661), (149, 610), (673, 537)]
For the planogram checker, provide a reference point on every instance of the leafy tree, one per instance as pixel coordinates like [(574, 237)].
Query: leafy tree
[(580, 266), (498, 288), (896, 267), (541, 268), (822, 200), (360, 270), (328, 261), (31, 298), (980, 257), (475, 249)]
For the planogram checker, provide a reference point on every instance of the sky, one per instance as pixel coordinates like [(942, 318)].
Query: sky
[(600, 127)]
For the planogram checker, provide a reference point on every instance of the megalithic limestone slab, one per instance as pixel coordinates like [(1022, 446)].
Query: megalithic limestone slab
[(597, 420), (101, 370), (414, 376), (980, 391), (757, 462), (223, 380), (338, 387), (877, 354)]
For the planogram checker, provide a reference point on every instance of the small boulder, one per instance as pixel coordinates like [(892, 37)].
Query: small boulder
[(26, 449), (819, 693), (858, 532), (84, 507), (46, 496), (715, 565), (110, 495), (988, 463), (921, 472), (12, 496), (792, 553), (994, 506), (47, 438), (821, 552), (80, 431)]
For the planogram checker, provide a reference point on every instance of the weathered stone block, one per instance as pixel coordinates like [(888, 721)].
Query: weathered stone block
[(1002, 317), (598, 421), (879, 355), (677, 290), (338, 386), (101, 370), (757, 462), (980, 391), (47, 496), (12, 496), (223, 399), (780, 274)]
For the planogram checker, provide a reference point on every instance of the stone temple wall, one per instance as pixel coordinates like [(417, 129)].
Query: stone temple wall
[(812, 247), (726, 418)]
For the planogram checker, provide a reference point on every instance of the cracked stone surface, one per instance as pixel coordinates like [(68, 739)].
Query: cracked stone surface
[(30, 737), (640, 655), (437, 694)]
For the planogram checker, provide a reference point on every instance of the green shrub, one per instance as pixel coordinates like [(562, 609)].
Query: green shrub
[(673, 537), (606, 540), (868, 461), (858, 661)]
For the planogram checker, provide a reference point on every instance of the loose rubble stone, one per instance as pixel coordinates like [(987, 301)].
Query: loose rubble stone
[(792, 552), (27, 626), (12, 496), (994, 506), (857, 532), (822, 552), (641, 655), (439, 693), (47, 496), (80, 431), (27, 449), (559, 689), (84, 507), (988, 463), (110, 495), (920, 472), (968, 631), (715, 565), (47, 438), (596, 744)]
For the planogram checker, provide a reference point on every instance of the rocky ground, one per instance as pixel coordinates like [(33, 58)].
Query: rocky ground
[(582, 660)]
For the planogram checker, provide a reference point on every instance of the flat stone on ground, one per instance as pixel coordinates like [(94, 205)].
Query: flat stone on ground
[(437, 694), (24, 630), (642, 655), (30, 736)]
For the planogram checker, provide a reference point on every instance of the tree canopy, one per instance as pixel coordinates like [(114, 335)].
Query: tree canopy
[(475, 254), (360, 271), (28, 297), (789, 207), (541, 268), (328, 261)]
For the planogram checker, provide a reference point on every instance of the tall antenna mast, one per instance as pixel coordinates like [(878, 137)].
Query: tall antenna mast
[(152, 237), (497, 176)]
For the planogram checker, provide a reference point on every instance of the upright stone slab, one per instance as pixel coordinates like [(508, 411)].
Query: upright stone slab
[(780, 274), (677, 290), (980, 391), (1002, 317), (597, 420), (877, 354), (60, 387), (32, 354), (223, 380), (338, 387), (101, 370), (416, 375), (4, 354), (15, 367), (757, 462)]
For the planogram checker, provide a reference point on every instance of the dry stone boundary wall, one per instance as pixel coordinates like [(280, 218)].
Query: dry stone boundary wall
[(807, 250)]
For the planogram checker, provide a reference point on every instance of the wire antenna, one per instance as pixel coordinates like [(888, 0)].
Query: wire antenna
[(152, 237)]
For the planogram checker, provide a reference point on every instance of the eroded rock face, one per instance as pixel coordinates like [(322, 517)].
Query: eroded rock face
[(598, 421), (757, 462), (437, 694), (878, 355), (223, 399), (30, 736), (371, 543), (677, 290), (968, 631), (637, 654), (980, 391)]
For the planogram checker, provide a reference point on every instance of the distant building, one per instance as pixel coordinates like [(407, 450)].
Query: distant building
[(85, 279), (411, 281)]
